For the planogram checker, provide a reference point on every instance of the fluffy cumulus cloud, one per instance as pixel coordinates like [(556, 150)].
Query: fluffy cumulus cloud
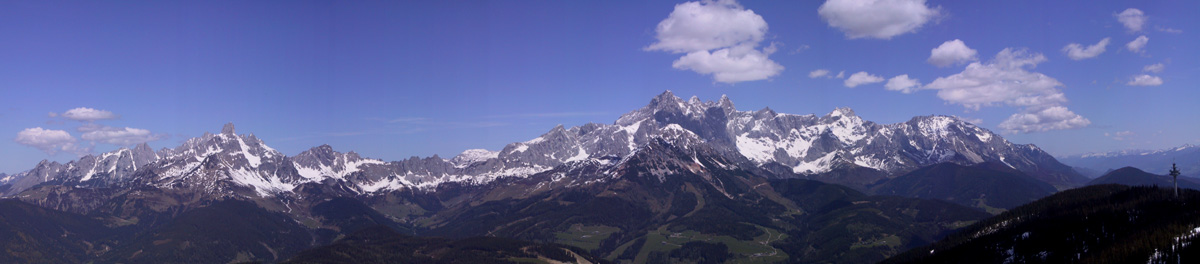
[(950, 53), (1137, 44), (1132, 18), (861, 78), (1157, 67), (708, 25), (731, 65), (818, 73), (1145, 80), (720, 38), (87, 114), (841, 74), (54, 141), (881, 19), (902, 83), (121, 136), (1006, 80), (1077, 51), (50, 141), (1044, 119)]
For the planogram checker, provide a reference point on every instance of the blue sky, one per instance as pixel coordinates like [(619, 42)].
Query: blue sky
[(395, 79)]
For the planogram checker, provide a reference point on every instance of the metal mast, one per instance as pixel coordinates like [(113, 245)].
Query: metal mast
[(1175, 178)]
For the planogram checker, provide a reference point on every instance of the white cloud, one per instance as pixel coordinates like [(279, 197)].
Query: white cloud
[(1137, 44), (1156, 68), (1132, 18), (49, 141), (902, 83), (730, 65), (1006, 80), (861, 78), (1145, 80), (841, 74), (720, 38), (1123, 135), (1044, 119), (89, 127), (818, 73), (882, 19), (951, 52), (802, 48), (708, 25), (1168, 30), (1076, 51), (771, 49), (121, 136), (88, 114)]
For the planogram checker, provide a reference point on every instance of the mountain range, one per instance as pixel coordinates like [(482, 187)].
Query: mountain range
[(806, 145), (659, 184), (1156, 161), (1136, 177)]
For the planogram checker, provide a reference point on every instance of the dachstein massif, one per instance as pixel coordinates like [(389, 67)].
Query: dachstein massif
[(686, 181)]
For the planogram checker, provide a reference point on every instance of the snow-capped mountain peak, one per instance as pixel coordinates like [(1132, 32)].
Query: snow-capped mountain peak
[(323, 162), (472, 156), (807, 144), (841, 111)]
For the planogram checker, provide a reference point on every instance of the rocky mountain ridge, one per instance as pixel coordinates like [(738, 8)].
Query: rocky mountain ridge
[(804, 144)]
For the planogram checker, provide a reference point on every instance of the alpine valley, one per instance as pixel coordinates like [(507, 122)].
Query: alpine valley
[(684, 181)]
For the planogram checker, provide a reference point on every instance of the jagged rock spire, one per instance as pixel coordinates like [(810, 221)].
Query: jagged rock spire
[(227, 129), (725, 103), (842, 111), (666, 100)]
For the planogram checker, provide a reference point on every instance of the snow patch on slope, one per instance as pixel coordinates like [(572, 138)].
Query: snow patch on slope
[(759, 150), (823, 164), (253, 159), (322, 171), (264, 185), (581, 155)]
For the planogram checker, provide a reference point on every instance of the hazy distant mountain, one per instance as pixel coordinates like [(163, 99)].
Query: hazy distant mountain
[(1094, 224), (1187, 158), (1136, 177)]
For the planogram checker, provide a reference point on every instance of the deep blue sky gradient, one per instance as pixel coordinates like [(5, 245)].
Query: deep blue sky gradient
[(394, 79)]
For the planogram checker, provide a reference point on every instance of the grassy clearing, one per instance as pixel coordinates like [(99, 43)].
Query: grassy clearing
[(620, 249), (585, 237), (742, 251), (981, 203)]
